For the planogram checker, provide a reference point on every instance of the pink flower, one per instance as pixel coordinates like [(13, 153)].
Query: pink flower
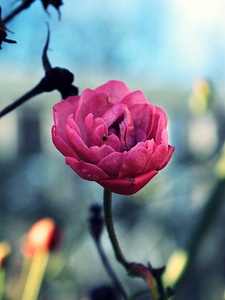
[(112, 136)]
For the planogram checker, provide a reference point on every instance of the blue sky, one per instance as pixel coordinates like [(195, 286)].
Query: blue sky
[(164, 40)]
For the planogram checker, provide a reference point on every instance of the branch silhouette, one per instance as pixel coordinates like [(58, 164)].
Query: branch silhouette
[(57, 78), (26, 3), (3, 32)]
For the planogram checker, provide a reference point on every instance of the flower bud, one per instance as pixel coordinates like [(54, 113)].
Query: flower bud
[(43, 236), (103, 292), (95, 221)]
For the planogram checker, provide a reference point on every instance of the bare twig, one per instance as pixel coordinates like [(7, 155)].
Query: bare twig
[(24, 5)]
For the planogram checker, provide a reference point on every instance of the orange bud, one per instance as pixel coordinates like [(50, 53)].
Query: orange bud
[(43, 236)]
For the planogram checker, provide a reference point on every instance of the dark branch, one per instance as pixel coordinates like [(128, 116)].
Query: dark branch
[(3, 32), (34, 92), (55, 79), (46, 64), (24, 5)]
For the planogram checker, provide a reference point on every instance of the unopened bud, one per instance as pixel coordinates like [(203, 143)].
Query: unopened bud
[(44, 236), (96, 221)]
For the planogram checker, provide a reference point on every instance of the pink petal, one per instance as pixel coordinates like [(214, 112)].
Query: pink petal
[(142, 116), (136, 159), (112, 163), (93, 154), (127, 131), (86, 170), (96, 130), (127, 186), (75, 139), (116, 90), (97, 134), (90, 102), (167, 157), (157, 158), (164, 137), (61, 111), (113, 141), (61, 145), (158, 123), (113, 114), (121, 115), (134, 98), (161, 130), (140, 135), (161, 112)]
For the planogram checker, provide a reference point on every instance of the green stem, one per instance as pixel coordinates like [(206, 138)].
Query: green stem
[(35, 275), (118, 253), (111, 230), (2, 283), (160, 288)]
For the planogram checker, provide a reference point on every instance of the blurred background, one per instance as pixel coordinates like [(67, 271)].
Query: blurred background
[(172, 50)]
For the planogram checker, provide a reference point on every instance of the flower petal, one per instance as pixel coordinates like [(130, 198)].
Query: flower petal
[(158, 123), (167, 157), (90, 102), (136, 159), (116, 90), (113, 141), (134, 98), (61, 111), (91, 155), (127, 186), (96, 130), (113, 114), (143, 116), (157, 158), (86, 170), (60, 144), (112, 163)]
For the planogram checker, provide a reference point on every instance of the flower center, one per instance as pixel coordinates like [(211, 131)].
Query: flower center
[(116, 126), (121, 128)]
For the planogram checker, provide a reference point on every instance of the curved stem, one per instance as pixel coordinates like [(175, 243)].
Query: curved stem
[(160, 288), (111, 230), (110, 271), (151, 276)]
